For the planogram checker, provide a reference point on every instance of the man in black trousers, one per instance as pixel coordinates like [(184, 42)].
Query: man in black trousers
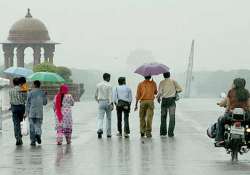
[(17, 102)]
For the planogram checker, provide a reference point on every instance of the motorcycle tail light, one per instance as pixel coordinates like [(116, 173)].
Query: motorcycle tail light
[(237, 124)]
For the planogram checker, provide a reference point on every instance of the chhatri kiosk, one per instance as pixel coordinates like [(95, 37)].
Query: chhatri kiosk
[(31, 32), (28, 32)]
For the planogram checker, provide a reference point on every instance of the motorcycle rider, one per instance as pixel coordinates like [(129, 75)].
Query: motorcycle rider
[(237, 97)]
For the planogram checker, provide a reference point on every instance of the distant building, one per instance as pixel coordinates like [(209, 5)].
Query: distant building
[(28, 32)]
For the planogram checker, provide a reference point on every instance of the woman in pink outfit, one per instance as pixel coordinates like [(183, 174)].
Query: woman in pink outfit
[(63, 103)]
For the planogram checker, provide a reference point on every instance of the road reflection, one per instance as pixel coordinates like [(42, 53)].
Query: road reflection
[(28, 160)]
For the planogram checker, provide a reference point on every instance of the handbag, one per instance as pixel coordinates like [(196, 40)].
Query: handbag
[(110, 107), (177, 96), (121, 103), (24, 127)]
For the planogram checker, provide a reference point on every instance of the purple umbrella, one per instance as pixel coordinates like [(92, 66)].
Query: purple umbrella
[(152, 69)]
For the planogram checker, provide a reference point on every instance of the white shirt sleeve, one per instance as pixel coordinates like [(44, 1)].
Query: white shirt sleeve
[(110, 94)]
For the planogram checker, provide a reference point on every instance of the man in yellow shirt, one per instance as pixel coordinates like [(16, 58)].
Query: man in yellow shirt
[(146, 92), (168, 89)]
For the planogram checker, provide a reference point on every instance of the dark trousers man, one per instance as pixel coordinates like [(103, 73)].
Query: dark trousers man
[(17, 116), (221, 129), (167, 106), (120, 110)]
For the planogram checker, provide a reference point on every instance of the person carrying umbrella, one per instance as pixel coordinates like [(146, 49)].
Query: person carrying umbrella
[(146, 92), (23, 85), (167, 91)]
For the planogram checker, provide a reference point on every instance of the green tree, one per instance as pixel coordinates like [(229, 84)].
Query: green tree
[(65, 73), (45, 67)]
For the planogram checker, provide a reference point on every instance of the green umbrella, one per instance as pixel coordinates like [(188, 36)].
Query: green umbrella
[(46, 77)]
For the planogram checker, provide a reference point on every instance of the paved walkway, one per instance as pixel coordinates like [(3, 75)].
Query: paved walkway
[(190, 152)]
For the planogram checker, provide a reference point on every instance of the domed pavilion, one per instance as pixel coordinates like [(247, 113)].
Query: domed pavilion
[(28, 32)]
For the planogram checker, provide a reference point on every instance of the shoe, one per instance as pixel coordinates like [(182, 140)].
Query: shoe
[(38, 139), (163, 135), (99, 135), (59, 143), (142, 134), (119, 134), (19, 142), (33, 143), (149, 135), (170, 135), (126, 135), (68, 140), (109, 136), (219, 143)]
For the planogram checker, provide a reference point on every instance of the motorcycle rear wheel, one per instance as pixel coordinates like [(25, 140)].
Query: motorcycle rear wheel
[(235, 147), (234, 155)]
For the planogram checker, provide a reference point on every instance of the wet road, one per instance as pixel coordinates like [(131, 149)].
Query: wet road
[(189, 152)]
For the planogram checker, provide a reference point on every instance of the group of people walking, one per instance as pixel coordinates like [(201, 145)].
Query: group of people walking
[(121, 98), (28, 103)]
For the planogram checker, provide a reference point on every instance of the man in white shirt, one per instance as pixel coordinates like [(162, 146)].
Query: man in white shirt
[(168, 89), (122, 97), (103, 96)]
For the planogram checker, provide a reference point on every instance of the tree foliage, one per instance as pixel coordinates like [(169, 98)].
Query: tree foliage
[(64, 72), (47, 67)]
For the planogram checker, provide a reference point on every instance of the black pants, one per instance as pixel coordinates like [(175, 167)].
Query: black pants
[(17, 116), (119, 111)]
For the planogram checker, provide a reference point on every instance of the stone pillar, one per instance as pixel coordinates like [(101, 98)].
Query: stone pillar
[(51, 58), (46, 54), (6, 60), (49, 53), (20, 56), (37, 55), (11, 59), (8, 55)]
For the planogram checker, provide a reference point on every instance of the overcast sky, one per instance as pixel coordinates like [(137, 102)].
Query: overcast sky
[(94, 33)]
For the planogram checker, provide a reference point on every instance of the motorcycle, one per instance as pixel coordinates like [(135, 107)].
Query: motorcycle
[(237, 134), (237, 131)]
